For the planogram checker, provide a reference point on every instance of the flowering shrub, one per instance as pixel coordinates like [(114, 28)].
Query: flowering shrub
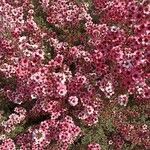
[(74, 74)]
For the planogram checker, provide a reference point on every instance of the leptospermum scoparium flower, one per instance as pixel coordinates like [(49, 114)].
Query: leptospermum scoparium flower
[(74, 74)]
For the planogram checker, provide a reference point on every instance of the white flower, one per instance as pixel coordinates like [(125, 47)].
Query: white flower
[(38, 136), (73, 100)]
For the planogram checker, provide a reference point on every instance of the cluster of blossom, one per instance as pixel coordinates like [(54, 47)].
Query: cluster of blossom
[(131, 132), (7, 144), (137, 134), (63, 131), (64, 12), (14, 119), (109, 65), (124, 11)]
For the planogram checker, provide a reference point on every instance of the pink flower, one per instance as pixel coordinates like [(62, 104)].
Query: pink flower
[(62, 90), (73, 100), (8, 144), (94, 146)]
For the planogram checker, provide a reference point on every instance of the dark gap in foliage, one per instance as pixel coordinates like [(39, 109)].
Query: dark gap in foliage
[(36, 121), (131, 101), (72, 68)]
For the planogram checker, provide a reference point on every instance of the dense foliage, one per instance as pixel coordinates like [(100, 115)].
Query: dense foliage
[(74, 74)]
